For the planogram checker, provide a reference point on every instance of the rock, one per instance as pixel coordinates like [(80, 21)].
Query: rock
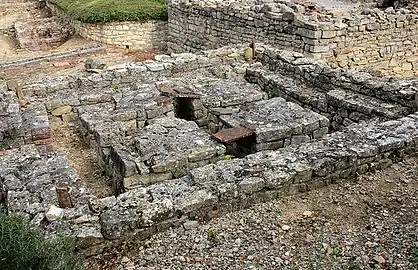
[(61, 110), (307, 214), (248, 54), (379, 259), (94, 64), (285, 227), (125, 260), (54, 213), (189, 225)]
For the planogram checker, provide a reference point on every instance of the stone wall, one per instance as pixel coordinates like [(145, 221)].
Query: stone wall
[(385, 40), (42, 34), (131, 34), (22, 122), (212, 189)]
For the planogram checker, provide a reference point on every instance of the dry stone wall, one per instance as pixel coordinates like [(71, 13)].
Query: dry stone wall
[(41, 34), (211, 189), (131, 34), (22, 122), (384, 40)]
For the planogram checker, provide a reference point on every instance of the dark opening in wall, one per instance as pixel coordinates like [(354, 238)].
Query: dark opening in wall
[(386, 3), (183, 108), (242, 147)]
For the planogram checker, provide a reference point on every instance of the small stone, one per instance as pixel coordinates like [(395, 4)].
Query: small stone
[(125, 260), (182, 259), (238, 241), (93, 63), (307, 214), (248, 54), (285, 227), (61, 110), (189, 225), (54, 213), (379, 259)]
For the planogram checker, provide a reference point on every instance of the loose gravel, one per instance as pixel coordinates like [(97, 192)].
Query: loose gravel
[(368, 224)]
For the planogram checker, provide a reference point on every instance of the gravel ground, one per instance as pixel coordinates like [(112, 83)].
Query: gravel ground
[(369, 224)]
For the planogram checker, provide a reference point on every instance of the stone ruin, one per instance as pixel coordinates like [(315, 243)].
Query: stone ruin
[(41, 34), (191, 136), (355, 35), (40, 30)]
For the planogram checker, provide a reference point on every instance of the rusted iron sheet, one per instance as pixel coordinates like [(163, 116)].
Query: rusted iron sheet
[(230, 135), (178, 93)]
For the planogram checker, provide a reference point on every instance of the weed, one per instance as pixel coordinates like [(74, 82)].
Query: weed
[(336, 252), (414, 255), (279, 213), (22, 247), (228, 157), (212, 234)]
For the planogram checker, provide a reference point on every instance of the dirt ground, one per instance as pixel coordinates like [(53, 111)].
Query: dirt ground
[(82, 158)]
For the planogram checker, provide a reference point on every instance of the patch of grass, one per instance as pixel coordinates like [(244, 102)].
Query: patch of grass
[(22, 247), (414, 257), (279, 213), (92, 11), (212, 234), (336, 252)]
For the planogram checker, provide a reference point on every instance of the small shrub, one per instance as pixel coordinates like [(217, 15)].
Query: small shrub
[(22, 247), (228, 157), (336, 252)]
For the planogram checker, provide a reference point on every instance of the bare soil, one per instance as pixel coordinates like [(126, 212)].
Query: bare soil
[(82, 158)]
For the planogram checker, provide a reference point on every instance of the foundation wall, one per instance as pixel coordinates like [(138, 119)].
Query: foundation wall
[(131, 34), (383, 40)]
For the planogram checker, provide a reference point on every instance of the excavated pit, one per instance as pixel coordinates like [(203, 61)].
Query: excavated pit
[(166, 169)]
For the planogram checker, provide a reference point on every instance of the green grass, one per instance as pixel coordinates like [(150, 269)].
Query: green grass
[(92, 11), (22, 247)]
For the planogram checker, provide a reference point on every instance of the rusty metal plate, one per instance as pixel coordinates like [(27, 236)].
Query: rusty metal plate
[(229, 135)]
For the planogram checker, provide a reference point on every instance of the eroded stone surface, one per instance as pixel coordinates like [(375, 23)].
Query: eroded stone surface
[(163, 150), (129, 117), (277, 123)]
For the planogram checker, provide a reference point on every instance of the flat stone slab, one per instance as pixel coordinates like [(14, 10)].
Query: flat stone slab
[(215, 93), (276, 120), (165, 149), (365, 104)]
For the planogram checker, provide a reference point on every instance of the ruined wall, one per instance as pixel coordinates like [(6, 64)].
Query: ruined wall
[(41, 34), (215, 188), (134, 34), (385, 40)]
